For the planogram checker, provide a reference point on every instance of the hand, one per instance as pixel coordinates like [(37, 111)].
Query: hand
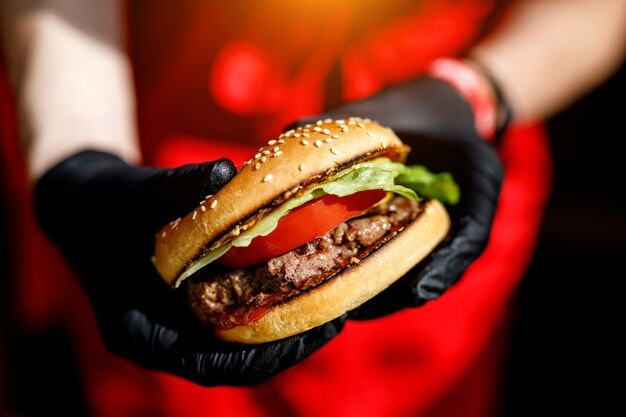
[(437, 122), (103, 214)]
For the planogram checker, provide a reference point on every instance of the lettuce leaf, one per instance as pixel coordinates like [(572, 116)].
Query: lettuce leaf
[(414, 182), (437, 186), (420, 180), (366, 178)]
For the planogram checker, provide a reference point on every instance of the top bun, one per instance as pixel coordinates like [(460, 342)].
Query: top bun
[(298, 159)]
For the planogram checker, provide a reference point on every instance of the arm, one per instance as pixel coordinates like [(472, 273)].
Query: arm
[(73, 81), (548, 53)]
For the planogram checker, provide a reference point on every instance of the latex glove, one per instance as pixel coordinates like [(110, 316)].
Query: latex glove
[(437, 122), (103, 214)]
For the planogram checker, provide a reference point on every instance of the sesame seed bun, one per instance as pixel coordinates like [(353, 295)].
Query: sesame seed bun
[(284, 166)]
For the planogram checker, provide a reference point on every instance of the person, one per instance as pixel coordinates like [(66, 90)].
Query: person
[(203, 77)]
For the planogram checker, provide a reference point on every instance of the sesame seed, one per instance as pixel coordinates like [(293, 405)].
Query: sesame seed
[(301, 167), (334, 151), (305, 142), (288, 134), (267, 178), (297, 135), (276, 149), (306, 129), (214, 204), (281, 141), (203, 209), (266, 152), (335, 136), (319, 122), (328, 120), (282, 135), (271, 142), (318, 143), (264, 159), (258, 165), (195, 214), (277, 153), (371, 134), (306, 135), (361, 125), (328, 140), (163, 234), (208, 196), (317, 129), (340, 121), (326, 132)]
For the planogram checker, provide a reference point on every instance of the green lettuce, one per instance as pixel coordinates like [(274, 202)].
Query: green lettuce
[(439, 186), (414, 182)]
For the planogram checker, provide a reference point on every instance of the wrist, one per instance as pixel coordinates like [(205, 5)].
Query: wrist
[(490, 110), (45, 153)]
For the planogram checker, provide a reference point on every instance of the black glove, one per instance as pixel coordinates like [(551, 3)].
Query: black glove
[(437, 122), (104, 214)]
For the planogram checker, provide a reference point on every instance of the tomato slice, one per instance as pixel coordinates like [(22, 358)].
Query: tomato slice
[(302, 225)]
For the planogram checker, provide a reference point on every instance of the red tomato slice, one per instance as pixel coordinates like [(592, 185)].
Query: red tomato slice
[(302, 225)]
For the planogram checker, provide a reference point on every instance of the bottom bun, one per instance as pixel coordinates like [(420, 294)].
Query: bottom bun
[(351, 287)]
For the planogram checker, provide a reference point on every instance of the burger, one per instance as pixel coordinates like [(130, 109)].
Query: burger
[(318, 221)]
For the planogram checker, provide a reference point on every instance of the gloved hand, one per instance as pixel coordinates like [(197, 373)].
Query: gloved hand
[(437, 122), (103, 214)]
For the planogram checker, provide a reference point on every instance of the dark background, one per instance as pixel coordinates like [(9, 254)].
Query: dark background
[(565, 351)]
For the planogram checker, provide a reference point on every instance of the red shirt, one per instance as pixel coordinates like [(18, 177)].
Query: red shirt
[(240, 71)]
